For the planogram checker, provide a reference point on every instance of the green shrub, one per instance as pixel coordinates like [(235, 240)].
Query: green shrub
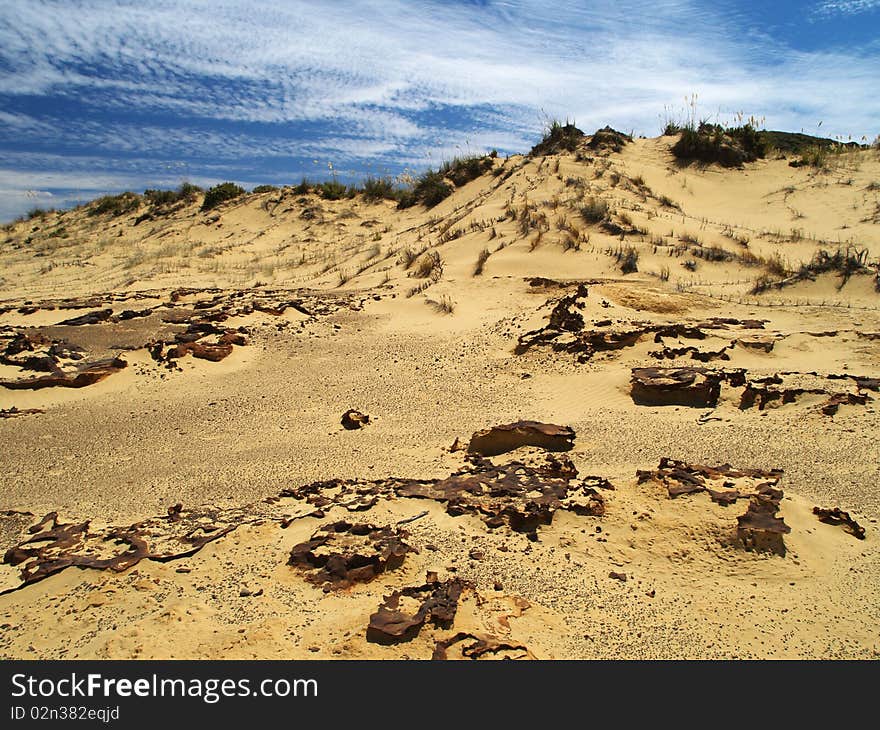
[(729, 147), (264, 189), (461, 170), (558, 138), (431, 189), (116, 205), (332, 190), (38, 213), (221, 193), (379, 188), (187, 192)]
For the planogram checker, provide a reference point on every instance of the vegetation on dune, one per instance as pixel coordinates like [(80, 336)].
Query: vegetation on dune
[(558, 137), (482, 258), (434, 186), (115, 205), (220, 194), (378, 188), (627, 259), (846, 262), (264, 189), (728, 146), (594, 210), (186, 193)]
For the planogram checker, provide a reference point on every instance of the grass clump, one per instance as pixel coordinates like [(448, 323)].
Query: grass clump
[(434, 186), (220, 194), (334, 190), (482, 258), (38, 213), (461, 170), (264, 189), (627, 259), (427, 266), (595, 210), (444, 305)]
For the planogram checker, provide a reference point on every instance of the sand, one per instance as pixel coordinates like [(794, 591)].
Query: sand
[(228, 434)]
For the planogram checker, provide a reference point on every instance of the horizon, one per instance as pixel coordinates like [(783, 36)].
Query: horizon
[(103, 97)]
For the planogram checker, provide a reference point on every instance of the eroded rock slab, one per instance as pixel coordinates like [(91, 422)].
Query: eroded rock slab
[(760, 528), (402, 614), (342, 553), (84, 375), (836, 516), (474, 645), (692, 387), (507, 437), (521, 494), (724, 484), (55, 545)]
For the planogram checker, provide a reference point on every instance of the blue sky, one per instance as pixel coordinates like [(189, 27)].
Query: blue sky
[(108, 95)]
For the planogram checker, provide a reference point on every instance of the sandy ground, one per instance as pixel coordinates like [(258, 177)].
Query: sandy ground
[(265, 417)]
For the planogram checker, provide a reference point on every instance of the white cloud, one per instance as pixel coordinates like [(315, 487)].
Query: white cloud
[(381, 80), (846, 7)]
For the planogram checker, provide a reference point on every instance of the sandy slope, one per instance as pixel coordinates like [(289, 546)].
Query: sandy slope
[(267, 417)]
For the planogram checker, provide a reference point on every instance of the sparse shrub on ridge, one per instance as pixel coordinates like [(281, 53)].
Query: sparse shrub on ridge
[(378, 188), (729, 147), (264, 189), (187, 192), (434, 186), (558, 138), (221, 193), (116, 205)]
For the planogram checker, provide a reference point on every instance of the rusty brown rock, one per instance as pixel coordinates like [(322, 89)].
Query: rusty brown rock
[(724, 484), (836, 516), (760, 528), (510, 436), (479, 646), (438, 603), (340, 554), (200, 350), (830, 407), (692, 387), (87, 374), (519, 495), (353, 419), (54, 545)]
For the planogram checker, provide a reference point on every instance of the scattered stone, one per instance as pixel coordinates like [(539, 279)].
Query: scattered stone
[(618, 576)]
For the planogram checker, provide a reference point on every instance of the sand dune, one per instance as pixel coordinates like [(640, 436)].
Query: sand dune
[(178, 482)]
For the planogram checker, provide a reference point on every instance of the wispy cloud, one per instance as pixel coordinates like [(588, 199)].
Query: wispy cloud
[(369, 82), (846, 7)]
